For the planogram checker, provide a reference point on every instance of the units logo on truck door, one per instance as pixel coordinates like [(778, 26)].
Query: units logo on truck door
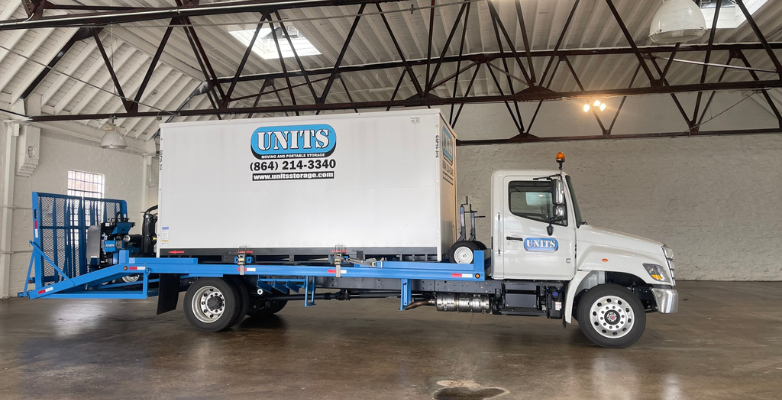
[(293, 152), (541, 244)]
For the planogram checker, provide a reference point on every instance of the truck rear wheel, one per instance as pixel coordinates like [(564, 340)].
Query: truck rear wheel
[(611, 316), (244, 299), (212, 304), (462, 252)]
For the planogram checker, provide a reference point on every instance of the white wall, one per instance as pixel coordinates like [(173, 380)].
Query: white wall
[(714, 200), (59, 153)]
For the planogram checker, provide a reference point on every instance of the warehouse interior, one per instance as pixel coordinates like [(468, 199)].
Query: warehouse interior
[(675, 138)]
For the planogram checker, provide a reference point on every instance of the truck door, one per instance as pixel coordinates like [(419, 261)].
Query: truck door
[(528, 251)]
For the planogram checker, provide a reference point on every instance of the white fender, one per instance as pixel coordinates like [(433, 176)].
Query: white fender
[(582, 280)]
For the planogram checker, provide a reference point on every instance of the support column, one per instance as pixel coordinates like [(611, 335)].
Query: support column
[(10, 132)]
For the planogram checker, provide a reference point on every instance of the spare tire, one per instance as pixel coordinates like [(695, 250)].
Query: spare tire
[(462, 252)]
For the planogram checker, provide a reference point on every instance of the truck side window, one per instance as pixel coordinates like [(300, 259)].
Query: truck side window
[(532, 199)]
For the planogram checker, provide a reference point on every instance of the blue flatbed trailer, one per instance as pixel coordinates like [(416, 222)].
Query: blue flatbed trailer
[(60, 269)]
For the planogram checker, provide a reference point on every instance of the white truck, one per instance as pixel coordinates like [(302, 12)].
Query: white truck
[(362, 189), (256, 213)]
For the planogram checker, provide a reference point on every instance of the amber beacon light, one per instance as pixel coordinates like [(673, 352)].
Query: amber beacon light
[(560, 159)]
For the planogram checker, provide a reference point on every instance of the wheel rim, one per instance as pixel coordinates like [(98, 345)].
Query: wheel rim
[(612, 317), (463, 255), (208, 304), (130, 278)]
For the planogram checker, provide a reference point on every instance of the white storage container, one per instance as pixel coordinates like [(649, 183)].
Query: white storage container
[(380, 183)]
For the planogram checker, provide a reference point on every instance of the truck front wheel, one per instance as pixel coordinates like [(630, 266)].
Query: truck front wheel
[(611, 316), (212, 304)]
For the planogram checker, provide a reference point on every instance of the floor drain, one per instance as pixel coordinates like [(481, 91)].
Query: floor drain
[(466, 390)]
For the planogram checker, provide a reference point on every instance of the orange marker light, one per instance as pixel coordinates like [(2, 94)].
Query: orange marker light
[(560, 157), (605, 260)]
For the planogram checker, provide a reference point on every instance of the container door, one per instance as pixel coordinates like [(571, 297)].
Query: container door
[(529, 252)]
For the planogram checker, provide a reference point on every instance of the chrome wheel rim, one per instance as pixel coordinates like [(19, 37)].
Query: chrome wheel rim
[(612, 317), (463, 255), (208, 304), (130, 278)]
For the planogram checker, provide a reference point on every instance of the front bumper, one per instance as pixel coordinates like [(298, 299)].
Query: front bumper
[(667, 300)]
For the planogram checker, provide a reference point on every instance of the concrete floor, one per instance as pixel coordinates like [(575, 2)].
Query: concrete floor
[(726, 342)]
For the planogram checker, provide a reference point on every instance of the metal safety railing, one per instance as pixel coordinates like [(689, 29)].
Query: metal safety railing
[(60, 234)]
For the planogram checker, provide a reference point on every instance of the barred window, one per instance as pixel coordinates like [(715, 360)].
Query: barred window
[(85, 184)]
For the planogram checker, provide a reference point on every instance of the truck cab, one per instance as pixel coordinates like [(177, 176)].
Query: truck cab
[(539, 234)]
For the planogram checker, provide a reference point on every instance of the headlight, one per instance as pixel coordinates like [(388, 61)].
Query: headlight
[(656, 272), (668, 252)]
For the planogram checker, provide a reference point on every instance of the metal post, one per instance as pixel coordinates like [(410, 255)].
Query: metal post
[(498, 22), (559, 41), (690, 124), (527, 47), (127, 104), (152, 66), (282, 64), (298, 60), (631, 41), (707, 59), (754, 75), (407, 66), (759, 34), (341, 55), (429, 46), (466, 93), (430, 82), (578, 82), (247, 53), (396, 89), (624, 98)]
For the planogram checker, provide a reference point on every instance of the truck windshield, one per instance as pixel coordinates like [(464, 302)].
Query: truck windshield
[(576, 210)]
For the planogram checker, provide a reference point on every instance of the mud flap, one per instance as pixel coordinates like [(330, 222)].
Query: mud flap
[(168, 294)]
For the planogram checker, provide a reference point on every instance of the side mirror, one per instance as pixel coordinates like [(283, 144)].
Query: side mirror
[(559, 212), (559, 193)]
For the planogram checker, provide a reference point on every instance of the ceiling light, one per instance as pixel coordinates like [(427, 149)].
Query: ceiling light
[(603, 107), (112, 139), (677, 21), (586, 107), (266, 48), (596, 103)]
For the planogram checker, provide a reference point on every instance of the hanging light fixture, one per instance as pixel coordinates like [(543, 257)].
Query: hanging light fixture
[(677, 21), (112, 139)]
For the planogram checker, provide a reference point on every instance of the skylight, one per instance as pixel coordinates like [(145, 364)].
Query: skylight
[(730, 14), (265, 47)]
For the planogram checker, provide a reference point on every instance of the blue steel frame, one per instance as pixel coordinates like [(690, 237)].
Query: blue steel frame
[(281, 278), (88, 286), (72, 250)]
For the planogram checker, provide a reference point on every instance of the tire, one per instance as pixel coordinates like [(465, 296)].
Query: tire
[(130, 278), (260, 308), (462, 252), (244, 297), (480, 245), (620, 305), (211, 304)]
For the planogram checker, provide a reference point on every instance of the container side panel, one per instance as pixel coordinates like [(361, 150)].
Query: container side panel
[(449, 225), (359, 181)]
